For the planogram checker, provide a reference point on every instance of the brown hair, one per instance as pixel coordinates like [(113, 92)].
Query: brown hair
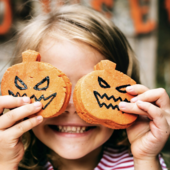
[(75, 22)]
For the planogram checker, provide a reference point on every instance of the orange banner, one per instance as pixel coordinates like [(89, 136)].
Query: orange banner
[(7, 20), (105, 6), (167, 6), (97, 5), (46, 4), (137, 13)]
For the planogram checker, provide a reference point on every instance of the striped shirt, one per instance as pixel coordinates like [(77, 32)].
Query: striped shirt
[(115, 159)]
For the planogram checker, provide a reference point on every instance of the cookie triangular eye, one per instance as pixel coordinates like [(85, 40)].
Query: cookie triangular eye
[(45, 80), (18, 82), (103, 83), (122, 89)]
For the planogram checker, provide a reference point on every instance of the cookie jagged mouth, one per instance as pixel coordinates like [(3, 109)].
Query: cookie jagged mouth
[(101, 104), (49, 99)]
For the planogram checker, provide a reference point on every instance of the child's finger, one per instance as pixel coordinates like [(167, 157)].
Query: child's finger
[(15, 115), (132, 108), (8, 102), (159, 96), (136, 89), (156, 113), (19, 129)]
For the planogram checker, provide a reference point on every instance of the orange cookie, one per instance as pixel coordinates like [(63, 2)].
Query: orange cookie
[(98, 94), (39, 81)]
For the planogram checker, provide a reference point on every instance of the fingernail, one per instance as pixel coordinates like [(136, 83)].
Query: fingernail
[(122, 105), (39, 118), (26, 99), (133, 100), (37, 104), (129, 88)]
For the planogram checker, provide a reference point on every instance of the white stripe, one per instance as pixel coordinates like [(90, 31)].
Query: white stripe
[(114, 168), (117, 162), (96, 168), (117, 158), (124, 164), (132, 168), (103, 167), (120, 158), (47, 164)]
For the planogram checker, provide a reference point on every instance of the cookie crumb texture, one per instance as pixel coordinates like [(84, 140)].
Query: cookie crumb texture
[(39, 81), (98, 94)]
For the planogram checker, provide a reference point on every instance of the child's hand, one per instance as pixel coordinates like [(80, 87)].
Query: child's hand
[(148, 135), (12, 128)]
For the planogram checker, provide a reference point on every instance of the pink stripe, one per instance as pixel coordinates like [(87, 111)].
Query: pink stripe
[(128, 161), (100, 168), (114, 168), (112, 161), (50, 168), (119, 163), (115, 159), (101, 162)]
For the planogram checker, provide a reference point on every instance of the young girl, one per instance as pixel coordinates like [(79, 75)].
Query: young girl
[(74, 39)]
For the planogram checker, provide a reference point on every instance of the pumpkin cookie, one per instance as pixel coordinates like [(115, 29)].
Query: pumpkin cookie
[(98, 94), (39, 81)]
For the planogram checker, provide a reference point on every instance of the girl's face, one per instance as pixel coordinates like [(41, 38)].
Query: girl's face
[(75, 59)]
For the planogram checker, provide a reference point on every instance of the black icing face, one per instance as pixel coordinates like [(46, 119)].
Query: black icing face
[(111, 99), (41, 86)]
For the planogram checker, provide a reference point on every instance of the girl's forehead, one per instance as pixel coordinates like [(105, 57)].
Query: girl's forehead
[(70, 56)]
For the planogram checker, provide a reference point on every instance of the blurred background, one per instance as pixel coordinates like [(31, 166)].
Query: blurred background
[(146, 24)]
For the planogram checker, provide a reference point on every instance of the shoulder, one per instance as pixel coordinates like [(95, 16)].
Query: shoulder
[(120, 158), (116, 158), (48, 166)]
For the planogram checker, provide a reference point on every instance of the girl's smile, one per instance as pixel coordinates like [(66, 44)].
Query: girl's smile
[(68, 135), (71, 129)]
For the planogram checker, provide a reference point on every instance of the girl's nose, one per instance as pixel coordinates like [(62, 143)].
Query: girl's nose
[(70, 107)]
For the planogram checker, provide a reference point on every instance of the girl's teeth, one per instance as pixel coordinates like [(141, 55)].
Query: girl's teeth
[(73, 129), (68, 128)]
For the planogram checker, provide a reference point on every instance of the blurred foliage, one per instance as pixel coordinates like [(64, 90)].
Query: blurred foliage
[(163, 61), (163, 53)]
